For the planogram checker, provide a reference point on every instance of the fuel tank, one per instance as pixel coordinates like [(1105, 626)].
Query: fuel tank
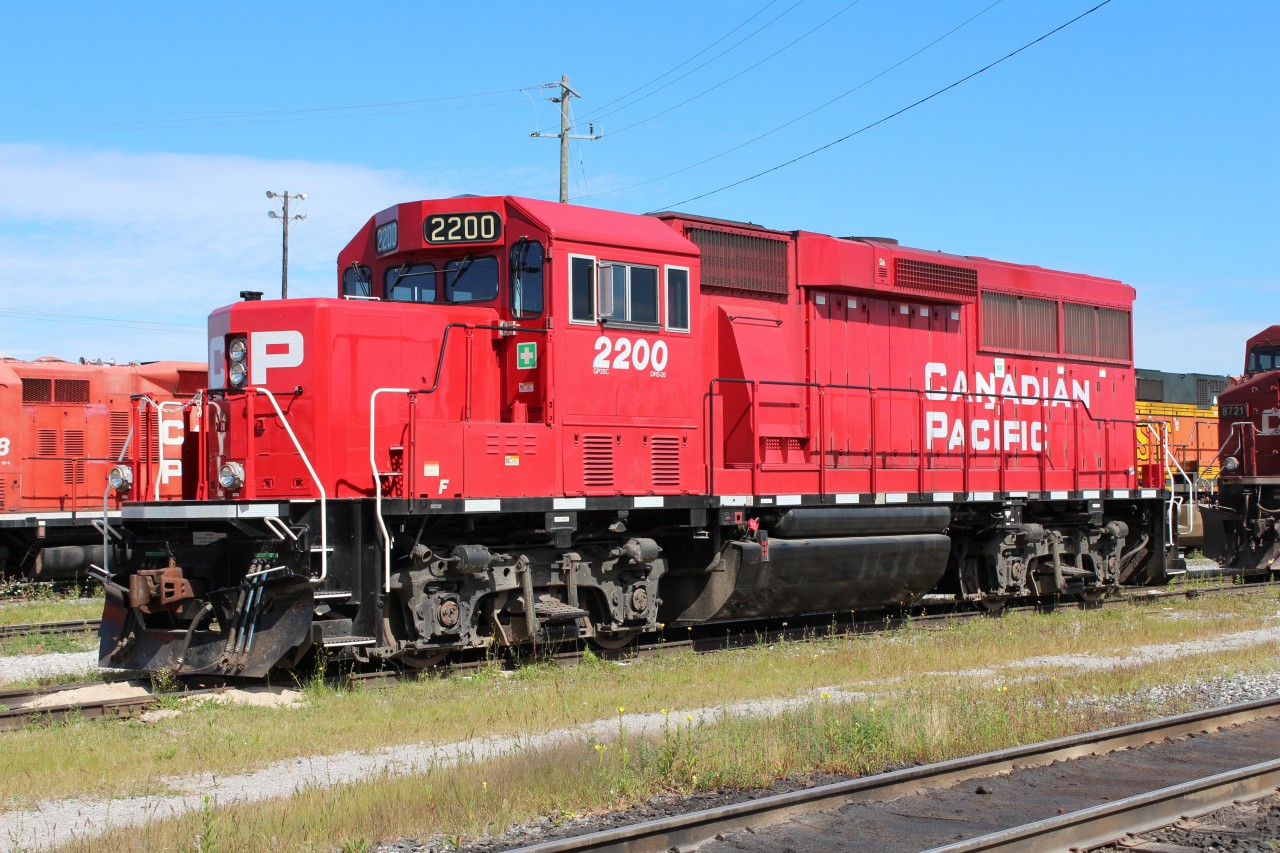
[(789, 577)]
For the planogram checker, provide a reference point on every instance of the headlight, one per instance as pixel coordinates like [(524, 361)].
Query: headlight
[(1230, 464), (238, 373), (120, 478), (231, 476), (236, 350)]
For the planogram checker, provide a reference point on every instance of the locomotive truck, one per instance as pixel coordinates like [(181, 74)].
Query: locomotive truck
[(521, 422), (63, 427)]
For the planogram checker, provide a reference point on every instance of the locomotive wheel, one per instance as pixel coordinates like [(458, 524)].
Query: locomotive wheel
[(993, 604), (423, 659), (611, 641), (1089, 597)]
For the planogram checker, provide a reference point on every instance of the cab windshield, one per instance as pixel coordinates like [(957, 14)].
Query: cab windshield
[(461, 280), (1262, 359)]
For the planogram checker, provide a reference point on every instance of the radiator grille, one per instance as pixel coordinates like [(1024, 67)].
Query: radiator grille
[(1207, 391), (1152, 390), (1024, 323), (71, 390), (930, 277), (2, 498), (37, 390), (1089, 330), (664, 460), (742, 262), (191, 381), (597, 460)]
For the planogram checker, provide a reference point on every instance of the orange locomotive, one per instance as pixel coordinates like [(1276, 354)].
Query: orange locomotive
[(63, 426)]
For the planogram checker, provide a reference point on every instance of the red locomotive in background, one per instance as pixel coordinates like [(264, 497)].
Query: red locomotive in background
[(525, 421), (1242, 523), (63, 426)]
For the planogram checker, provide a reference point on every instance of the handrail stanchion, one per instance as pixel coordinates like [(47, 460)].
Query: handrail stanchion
[(324, 515), (384, 536)]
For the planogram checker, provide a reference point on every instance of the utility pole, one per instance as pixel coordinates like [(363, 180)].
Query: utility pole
[(284, 220), (564, 136)]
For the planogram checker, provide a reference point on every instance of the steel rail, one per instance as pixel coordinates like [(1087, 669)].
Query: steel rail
[(1111, 822), (75, 626), (104, 709), (699, 827)]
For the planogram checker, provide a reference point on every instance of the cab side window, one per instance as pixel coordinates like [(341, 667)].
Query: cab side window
[(630, 293), (678, 298), (525, 282), (582, 289)]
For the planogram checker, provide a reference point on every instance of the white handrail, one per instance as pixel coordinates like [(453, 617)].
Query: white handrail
[(383, 535), (324, 515), (1169, 460)]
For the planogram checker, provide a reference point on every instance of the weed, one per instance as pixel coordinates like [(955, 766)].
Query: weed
[(208, 837), (164, 684)]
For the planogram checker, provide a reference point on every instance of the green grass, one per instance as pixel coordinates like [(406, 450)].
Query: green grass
[(48, 610), (44, 644), (931, 722), (117, 757)]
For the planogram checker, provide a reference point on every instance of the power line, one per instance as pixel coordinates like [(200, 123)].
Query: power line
[(596, 117), (109, 322), (675, 68), (804, 115), (756, 65), (892, 115), (228, 119)]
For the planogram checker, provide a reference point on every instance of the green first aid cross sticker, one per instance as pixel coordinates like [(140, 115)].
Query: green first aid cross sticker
[(527, 355)]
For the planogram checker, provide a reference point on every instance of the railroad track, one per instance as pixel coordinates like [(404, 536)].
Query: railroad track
[(18, 711), (74, 626), (1117, 822), (1084, 828)]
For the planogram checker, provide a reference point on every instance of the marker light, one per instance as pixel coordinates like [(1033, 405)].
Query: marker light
[(231, 476)]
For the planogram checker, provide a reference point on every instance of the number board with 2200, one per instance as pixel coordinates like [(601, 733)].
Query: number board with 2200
[(479, 227)]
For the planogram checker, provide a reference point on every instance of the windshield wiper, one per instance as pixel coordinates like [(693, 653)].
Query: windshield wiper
[(463, 266)]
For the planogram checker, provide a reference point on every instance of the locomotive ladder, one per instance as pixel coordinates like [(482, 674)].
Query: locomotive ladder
[(1174, 503)]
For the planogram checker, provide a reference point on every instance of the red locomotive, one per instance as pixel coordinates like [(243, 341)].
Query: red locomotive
[(63, 426), (1242, 524), (526, 421)]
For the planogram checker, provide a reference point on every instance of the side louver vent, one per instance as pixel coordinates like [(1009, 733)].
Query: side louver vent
[(597, 460), (118, 434), (46, 442), (664, 460)]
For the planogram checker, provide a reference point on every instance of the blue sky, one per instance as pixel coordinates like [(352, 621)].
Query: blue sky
[(137, 141)]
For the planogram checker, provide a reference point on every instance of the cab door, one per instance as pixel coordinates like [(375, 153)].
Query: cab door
[(525, 372)]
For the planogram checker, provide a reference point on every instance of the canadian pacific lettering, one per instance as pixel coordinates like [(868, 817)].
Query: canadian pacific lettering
[(963, 427)]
